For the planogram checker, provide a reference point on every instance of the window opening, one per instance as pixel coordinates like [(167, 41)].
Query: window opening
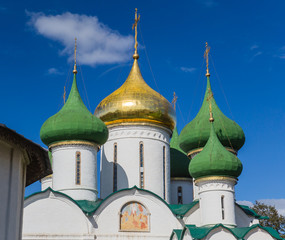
[(115, 168), (222, 205), (141, 165), (179, 195), (78, 168)]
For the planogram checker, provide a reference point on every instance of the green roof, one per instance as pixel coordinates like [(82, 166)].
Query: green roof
[(179, 161), (215, 160), (89, 207), (239, 233), (196, 133), (181, 209), (178, 233), (247, 210), (74, 122)]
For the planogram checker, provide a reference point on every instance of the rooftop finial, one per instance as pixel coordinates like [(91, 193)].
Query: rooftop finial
[(206, 56), (174, 100), (137, 18), (209, 99), (75, 70)]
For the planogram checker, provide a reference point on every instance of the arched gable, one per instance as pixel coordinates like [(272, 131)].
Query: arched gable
[(50, 213), (261, 234), (220, 233), (161, 219)]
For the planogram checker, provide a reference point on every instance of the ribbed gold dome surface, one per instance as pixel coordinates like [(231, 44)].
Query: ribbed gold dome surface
[(136, 102)]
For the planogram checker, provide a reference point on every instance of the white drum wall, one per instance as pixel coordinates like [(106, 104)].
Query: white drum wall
[(64, 171), (128, 140)]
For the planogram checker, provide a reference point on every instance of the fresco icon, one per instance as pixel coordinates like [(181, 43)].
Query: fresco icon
[(134, 217)]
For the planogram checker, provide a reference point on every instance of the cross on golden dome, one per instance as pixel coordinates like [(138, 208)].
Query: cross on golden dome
[(135, 26), (174, 100)]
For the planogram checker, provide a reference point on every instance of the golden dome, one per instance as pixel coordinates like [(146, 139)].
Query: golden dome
[(136, 102)]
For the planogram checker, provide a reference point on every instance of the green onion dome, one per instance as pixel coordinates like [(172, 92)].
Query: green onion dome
[(74, 122), (215, 160), (178, 159), (196, 133)]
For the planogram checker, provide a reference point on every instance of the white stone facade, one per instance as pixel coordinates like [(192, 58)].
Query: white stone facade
[(12, 177), (156, 159), (186, 193), (65, 170), (217, 201)]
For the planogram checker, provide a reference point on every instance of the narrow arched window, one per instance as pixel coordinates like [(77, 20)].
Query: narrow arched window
[(77, 168), (141, 165), (115, 168), (164, 171), (222, 206), (179, 195)]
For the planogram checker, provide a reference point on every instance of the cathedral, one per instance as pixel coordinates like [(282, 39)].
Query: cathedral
[(154, 182)]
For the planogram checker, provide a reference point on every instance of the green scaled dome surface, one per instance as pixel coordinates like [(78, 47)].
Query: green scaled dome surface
[(179, 161), (215, 160), (196, 133), (74, 122)]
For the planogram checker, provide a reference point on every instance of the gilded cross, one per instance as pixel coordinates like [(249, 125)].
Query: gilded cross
[(174, 100), (206, 56), (137, 18), (75, 47)]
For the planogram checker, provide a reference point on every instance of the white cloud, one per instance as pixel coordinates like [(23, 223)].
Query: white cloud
[(254, 47), (281, 53), (54, 71), (255, 55), (279, 204), (186, 69), (97, 43)]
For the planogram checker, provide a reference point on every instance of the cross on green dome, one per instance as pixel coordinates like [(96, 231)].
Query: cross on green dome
[(74, 122), (196, 133)]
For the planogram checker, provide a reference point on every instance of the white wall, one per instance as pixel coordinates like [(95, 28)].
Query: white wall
[(128, 139), (220, 234), (64, 171), (193, 216), (161, 219), (49, 215), (12, 185), (46, 182), (258, 234), (187, 190), (242, 219), (210, 194)]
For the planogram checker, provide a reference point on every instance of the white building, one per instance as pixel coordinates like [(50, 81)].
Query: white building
[(22, 163), (146, 188)]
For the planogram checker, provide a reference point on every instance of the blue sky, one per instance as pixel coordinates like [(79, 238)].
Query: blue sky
[(247, 67)]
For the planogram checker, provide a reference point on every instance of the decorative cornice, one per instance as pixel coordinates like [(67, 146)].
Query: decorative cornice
[(181, 179), (216, 178), (73, 143), (139, 132), (139, 121), (198, 150)]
